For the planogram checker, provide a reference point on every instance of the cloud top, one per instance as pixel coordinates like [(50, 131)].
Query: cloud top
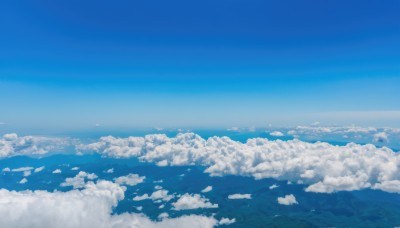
[(323, 167)]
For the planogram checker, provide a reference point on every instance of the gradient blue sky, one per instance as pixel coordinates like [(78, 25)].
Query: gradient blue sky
[(210, 63)]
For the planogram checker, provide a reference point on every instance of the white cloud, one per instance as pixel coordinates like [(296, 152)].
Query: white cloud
[(39, 169), (239, 196), (130, 179), (159, 195), (109, 170), (276, 134), (79, 180), (321, 166), (75, 168), (23, 181), (207, 189), (226, 221), (195, 201), (287, 200), (6, 169), (381, 137), (57, 171), (22, 169), (89, 207), (273, 186), (163, 215), (27, 171), (13, 145)]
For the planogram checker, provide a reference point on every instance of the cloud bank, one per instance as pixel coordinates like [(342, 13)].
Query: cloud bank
[(13, 145), (323, 167), (90, 207)]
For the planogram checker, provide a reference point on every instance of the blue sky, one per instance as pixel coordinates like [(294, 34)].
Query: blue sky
[(74, 64)]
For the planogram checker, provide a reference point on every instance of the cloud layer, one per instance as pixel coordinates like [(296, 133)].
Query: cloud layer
[(13, 145), (321, 166), (90, 207)]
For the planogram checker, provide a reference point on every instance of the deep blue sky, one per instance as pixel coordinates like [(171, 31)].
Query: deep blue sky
[(210, 63)]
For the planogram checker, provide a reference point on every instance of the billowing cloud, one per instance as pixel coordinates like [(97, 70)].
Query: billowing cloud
[(207, 189), (130, 179), (79, 180), (239, 196), (287, 200), (90, 207), (322, 166), (13, 145), (192, 201)]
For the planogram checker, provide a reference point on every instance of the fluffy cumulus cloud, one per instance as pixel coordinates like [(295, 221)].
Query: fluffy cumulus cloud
[(130, 179), (89, 207), (323, 167), (79, 180), (192, 201), (287, 200), (239, 196), (13, 145)]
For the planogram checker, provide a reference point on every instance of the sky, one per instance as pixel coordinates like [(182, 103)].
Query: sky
[(206, 64)]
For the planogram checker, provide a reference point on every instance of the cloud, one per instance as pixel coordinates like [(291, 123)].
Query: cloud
[(195, 201), (381, 137), (39, 169), (79, 180), (276, 134), (74, 168), (226, 221), (322, 166), (161, 195), (90, 207), (6, 169), (109, 170), (22, 169), (13, 145), (287, 200), (57, 171), (130, 179), (27, 171), (273, 186), (23, 181), (207, 189), (239, 196)]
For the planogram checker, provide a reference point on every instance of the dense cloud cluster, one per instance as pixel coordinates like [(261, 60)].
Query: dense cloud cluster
[(12, 145), (90, 207), (322, 166)]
